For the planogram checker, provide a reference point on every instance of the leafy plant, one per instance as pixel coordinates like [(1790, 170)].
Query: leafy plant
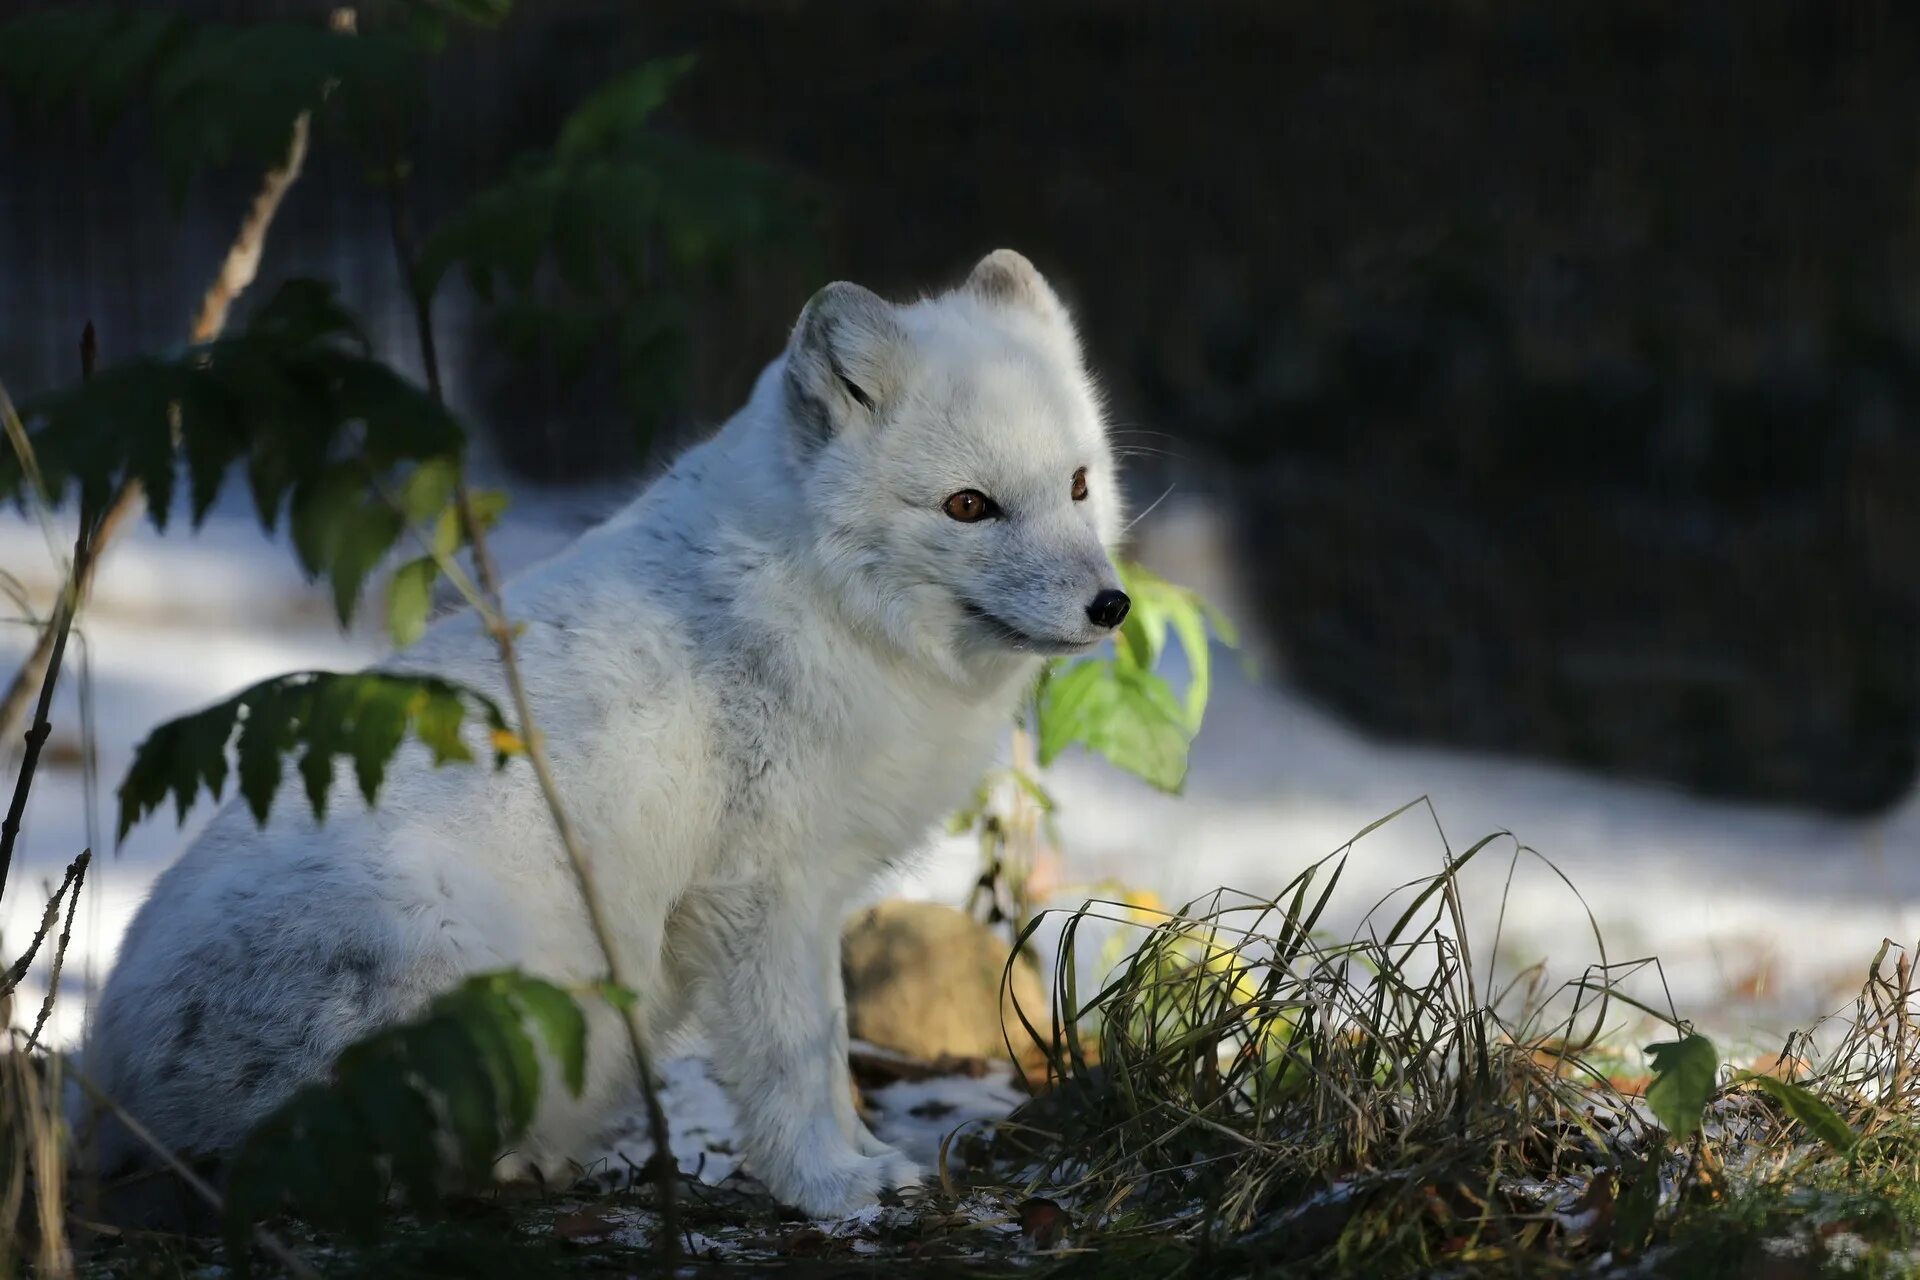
[(1238, 1061), (628, 221), (215, 94), (1805, 1106), (325, 432), (595, 247), (1685, 1078), (326, 716), (1283, 1099), (467, 1069), (1120, 706), (1684, 1075), (354, 455)]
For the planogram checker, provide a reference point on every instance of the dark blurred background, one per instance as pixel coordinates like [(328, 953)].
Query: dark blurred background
[(1554, 365)]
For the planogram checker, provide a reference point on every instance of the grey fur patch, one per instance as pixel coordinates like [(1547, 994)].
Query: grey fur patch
[(193, 1017), (844, 353), (812, 418)]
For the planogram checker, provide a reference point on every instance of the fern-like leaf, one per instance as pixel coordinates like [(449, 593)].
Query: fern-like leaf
[(362, 717), (463, 1079)]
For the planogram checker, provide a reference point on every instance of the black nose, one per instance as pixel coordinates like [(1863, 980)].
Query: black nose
[(1109, 609)]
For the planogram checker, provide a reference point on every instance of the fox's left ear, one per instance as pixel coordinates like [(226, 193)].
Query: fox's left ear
[(1007, 278), (844, 360)]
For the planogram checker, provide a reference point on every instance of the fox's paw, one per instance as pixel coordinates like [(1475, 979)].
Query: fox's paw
[(535, 1168), (832, 1185)]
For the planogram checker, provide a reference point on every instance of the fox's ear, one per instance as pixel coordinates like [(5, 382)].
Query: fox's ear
[(844, 360), (1007, 278)]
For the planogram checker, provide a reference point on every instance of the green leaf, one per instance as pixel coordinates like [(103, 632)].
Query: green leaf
[(429, 489), (266, 734), (561, 1025), (617, 110), (463, 1078), (323, 430), (1684, 1073), (1806, 1107), (1118, 711), (630, 224), (1158, 605), (363, 543), (446, 533), (325, 716), (213, 94), (409, 599), (438, 715), (1072, 701), (488, 506), (376, 724), (321, 514), (1120, 707)]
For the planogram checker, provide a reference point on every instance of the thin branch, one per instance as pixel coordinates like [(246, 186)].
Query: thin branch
[(58, 627), (243, 255), (236, 274), (76, 877), (76, 872), (490, 604)]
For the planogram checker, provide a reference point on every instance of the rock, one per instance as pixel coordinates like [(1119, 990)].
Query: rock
[(925, 980)]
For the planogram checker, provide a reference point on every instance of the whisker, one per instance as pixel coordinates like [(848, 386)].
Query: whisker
[(1149, 511)]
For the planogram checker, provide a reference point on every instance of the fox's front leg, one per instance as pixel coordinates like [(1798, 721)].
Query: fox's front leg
[(776, 1028), (833, 978)]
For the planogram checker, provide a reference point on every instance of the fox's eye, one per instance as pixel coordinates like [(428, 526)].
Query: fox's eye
[(969, 505), (1080, 485)]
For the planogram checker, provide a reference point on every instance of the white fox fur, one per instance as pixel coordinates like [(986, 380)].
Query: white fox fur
[(760, 682)]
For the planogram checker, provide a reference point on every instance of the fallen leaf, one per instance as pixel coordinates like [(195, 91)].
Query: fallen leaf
[(583, 1225), (1042, 1222)]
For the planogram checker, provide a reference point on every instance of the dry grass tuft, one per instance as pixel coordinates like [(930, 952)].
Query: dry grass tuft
[(33, 1134), (1240, 1063)]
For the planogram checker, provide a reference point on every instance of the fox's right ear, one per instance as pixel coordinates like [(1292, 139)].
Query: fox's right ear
[(843, 361)]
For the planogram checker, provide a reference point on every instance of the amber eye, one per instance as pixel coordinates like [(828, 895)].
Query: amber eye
[(1080, 485), (969, 505)]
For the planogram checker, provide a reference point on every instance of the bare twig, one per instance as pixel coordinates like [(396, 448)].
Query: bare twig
[(58, 628), (76, 879), (76, 872), (242, 263), (269, 1243), (489, 602), (236, 274)]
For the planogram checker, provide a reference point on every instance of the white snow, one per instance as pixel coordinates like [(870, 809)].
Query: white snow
[(917, 1115)]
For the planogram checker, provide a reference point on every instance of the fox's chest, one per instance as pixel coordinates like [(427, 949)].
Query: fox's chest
[(870, 779)]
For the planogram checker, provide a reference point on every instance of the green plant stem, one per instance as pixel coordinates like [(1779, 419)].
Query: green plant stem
[(491, 604)]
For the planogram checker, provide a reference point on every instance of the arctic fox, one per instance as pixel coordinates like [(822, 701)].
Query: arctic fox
[(761, 682)]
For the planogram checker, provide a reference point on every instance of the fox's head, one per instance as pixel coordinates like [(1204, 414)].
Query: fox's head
[(956, 466)]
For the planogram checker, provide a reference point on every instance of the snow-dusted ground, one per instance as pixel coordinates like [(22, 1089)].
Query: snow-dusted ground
[(1762, 916)]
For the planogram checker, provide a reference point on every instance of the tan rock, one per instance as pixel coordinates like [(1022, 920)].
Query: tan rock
[(925, 980)]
